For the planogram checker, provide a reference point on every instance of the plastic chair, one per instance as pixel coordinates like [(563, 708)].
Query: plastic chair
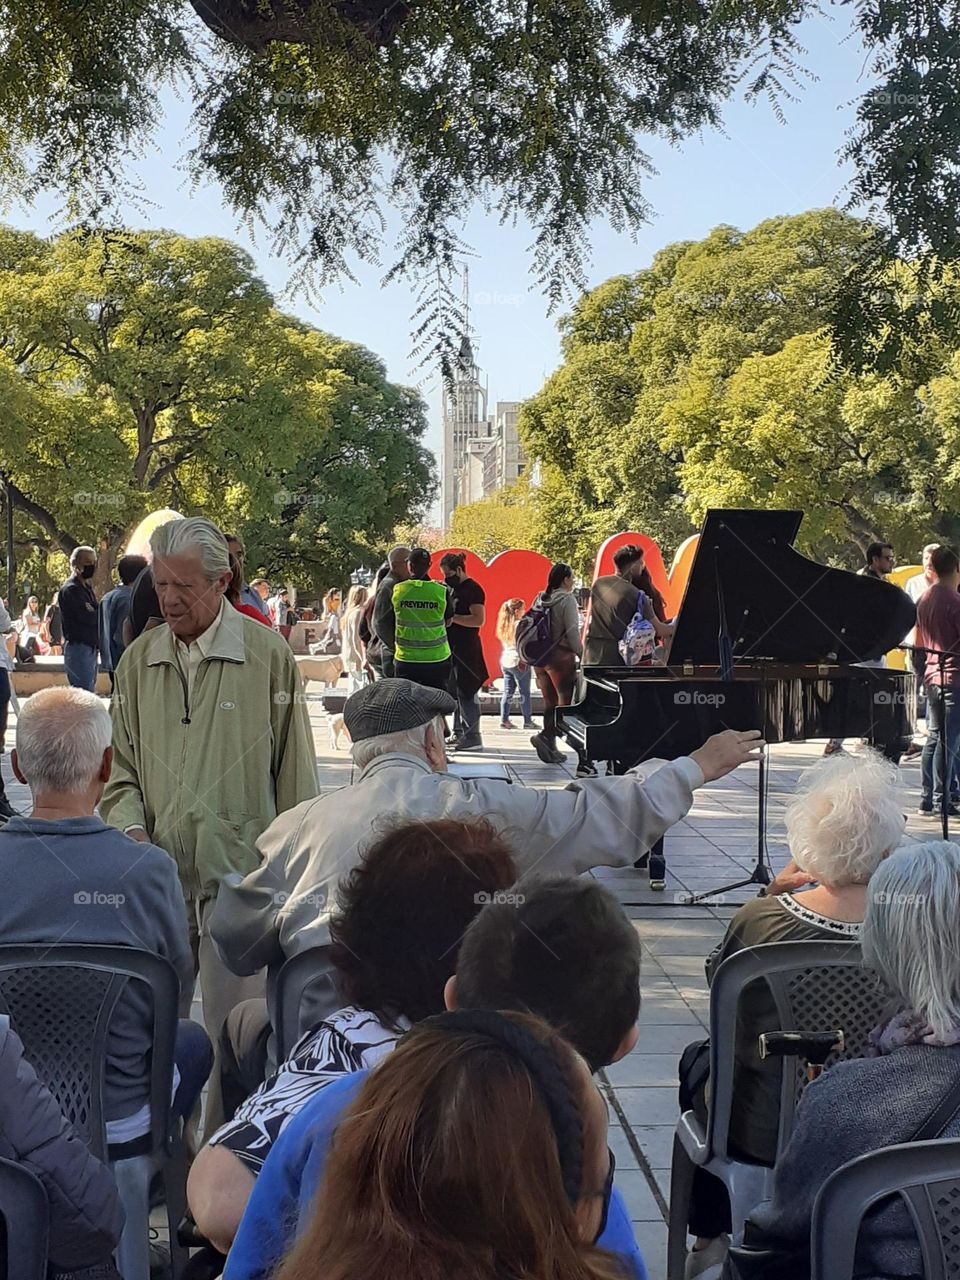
[(25, 1214), (306, 993), (926, 1175), (816, 986), (60, 1000)]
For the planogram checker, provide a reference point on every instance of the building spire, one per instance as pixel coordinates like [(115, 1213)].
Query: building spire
[(466, 345)]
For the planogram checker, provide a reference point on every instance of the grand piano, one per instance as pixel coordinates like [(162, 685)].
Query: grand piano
[(765, 639)]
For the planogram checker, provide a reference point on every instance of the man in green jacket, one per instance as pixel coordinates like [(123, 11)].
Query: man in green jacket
[(211, 739), (422, 610)]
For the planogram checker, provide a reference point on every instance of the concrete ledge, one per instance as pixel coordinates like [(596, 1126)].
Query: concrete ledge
[(30, 677)]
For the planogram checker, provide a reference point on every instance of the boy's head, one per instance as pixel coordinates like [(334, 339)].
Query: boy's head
[(565, 952)]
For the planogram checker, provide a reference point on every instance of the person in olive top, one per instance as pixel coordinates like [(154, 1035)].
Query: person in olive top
[(80, 616), (422, 610), (469, 667), (613, 603)]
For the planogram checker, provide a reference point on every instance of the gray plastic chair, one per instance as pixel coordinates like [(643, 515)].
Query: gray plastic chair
[(926, 1175), (60, 1000), (306, 993), (816, 986), (25, 1214)]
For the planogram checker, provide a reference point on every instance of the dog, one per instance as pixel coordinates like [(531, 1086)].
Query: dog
[(337, 731)]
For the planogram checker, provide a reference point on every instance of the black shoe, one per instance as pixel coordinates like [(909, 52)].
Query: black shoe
[(6, 809), (545, 749), (467, 744), (586, 770)]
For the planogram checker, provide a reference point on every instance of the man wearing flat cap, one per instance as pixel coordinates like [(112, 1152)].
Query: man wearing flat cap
[(396, 727)]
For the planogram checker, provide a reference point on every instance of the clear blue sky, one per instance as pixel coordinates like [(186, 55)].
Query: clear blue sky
[(756, 168)]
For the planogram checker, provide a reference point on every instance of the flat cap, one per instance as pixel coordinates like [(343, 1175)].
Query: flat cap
[(390, 706)]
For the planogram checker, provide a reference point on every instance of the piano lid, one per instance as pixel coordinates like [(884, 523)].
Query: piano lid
[(778, 604)]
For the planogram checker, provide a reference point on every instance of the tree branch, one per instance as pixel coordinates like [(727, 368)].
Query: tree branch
[(41, 515)]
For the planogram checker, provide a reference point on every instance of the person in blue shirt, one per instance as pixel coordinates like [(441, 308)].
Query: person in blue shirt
[(562, 949), (477, 1149), (114, 611)]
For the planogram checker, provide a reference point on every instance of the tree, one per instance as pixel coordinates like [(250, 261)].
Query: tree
[(316, 114), (148, 369), (499, 522), (710, 380)]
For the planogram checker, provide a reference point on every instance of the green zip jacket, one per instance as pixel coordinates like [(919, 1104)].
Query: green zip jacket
[(205, 778)]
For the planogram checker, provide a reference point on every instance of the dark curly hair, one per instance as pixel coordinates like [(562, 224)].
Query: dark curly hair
[(402, 912)]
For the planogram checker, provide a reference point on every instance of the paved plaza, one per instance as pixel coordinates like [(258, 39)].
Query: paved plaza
[(716, 844)]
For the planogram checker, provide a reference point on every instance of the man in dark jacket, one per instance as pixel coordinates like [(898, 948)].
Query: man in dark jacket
[(85, 1212), (114, 611), (80, 617), (384, 623)]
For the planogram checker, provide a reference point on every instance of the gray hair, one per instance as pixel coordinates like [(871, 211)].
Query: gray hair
[(412, 742), (912, 927), (397, 556), (77, 552), (195, 534), (845, 819), (62, 734)]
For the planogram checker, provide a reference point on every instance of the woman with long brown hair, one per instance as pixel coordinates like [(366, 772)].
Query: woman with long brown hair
[(477, 1150)]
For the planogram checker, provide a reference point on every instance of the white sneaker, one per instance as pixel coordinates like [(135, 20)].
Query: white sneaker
[(704, 1260)]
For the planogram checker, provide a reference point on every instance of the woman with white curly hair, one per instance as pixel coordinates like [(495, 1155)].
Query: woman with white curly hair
[(844, 820)]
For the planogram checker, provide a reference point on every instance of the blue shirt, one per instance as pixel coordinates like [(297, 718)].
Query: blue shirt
[(288, 1182), (249, 596), (114, 611)]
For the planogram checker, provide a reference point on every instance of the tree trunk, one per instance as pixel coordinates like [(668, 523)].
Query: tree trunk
[(108, 553), (255, 24)]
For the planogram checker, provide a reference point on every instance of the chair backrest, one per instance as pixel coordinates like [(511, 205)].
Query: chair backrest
[(926, 1175), (25, 1214), (816, 986), (306, 994), (61, 999)]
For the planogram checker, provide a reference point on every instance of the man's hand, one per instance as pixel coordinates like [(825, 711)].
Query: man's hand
[(788, 880), (138, 834), (724, 751)]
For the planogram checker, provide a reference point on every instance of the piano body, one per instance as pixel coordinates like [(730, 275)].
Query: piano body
[(765, 639)]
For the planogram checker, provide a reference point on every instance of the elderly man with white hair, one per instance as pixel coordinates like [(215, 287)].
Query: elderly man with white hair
[(211, 738), (68, 877), (396, 726), (844, 820)]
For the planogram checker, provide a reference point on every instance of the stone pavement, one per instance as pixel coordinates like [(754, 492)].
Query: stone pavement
[(716, 844)]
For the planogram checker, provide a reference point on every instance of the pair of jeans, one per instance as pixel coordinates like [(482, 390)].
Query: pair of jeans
[(80, 662), (356, 680), (939, 759), (516, 681)]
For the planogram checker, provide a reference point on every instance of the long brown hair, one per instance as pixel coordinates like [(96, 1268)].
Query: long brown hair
[(448, 1165), (507, 619), (645, 583)]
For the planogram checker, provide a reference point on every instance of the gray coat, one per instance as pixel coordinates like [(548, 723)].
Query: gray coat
[(85, 1214), (853, 1108)]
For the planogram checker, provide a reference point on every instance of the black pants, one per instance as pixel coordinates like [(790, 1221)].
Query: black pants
[(244, 1061), (709, 1214), (433, 675)]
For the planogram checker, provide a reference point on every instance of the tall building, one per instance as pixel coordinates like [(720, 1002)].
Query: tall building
[(464, 420), (511, 459)]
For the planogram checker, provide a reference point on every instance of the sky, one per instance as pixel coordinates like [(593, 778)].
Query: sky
[(755, 168)]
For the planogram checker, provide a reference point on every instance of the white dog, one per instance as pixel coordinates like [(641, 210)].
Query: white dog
[(338, 730)]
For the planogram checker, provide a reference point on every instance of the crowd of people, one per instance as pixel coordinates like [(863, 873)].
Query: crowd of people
[(443, 1119)]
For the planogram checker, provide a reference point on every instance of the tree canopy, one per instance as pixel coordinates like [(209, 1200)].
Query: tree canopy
[(146, 370), (318, 115), (503, 521), (709, 379)]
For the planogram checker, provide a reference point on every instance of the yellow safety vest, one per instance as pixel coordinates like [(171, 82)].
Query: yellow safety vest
[(421, 633)]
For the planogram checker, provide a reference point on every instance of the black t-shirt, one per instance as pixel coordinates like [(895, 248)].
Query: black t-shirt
[(79, 613), (54, 624), (144, 604), (613, 602), (465, 644)]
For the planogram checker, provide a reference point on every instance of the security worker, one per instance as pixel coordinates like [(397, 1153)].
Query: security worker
[(422, 610)]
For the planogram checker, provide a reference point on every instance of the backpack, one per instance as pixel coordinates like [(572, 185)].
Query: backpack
[(534, 636), (639, 640)]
